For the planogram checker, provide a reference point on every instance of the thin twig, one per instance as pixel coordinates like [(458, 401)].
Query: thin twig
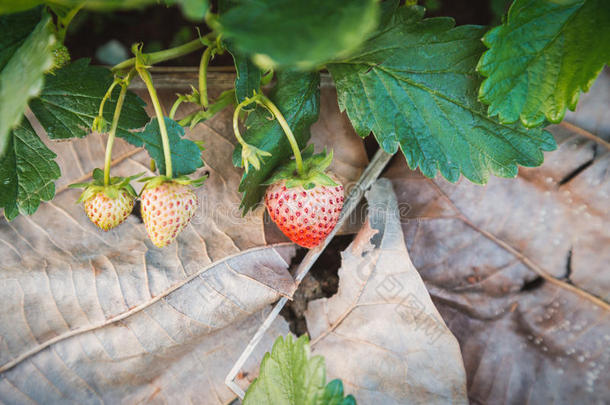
[(372, 171), (584, 133)]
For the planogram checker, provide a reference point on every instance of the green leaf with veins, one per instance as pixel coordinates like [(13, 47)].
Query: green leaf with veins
[(25, 54), (248, 76), (302, 33), (288, 375), (185, 154), (414, 86), (333, 394), (297, 95), (27, 171), (542, 57), (71, 99)]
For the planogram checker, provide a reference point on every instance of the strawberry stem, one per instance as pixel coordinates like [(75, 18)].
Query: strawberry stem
[(203, 72), (147, 79), (261, 99), (115, 124), (236, 121), (167, 54)]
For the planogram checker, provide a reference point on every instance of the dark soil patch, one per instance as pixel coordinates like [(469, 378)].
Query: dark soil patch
[(321, 281)]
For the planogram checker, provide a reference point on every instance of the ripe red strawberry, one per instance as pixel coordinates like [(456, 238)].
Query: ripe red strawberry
[(304, 216), (106, 212), (167, 207)]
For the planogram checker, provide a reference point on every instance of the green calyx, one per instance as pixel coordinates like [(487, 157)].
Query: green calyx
[(313, 173), (61, 57), (155, 181), (111, 190), (251, 155)]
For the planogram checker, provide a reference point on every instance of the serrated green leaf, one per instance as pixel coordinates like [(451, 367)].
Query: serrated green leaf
[(333, 395), (302, 33), (25, 54), (288, 375), (27, 171), (542, 57), (297, 95), (414, 86), (71, 99), (248, 76), (186, 156)]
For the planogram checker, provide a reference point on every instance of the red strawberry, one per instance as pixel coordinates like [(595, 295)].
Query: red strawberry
[(304, 216), (106, 212), (167, 207)]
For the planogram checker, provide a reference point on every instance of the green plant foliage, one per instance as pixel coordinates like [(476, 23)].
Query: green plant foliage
[(27, 171), (13, 6), (542, 57), (71, 98), (186, 155), (333, 394), (414, 86), (297, 95), (248, 78), (302, 33), (288, 375), (192, 9), (26, 43)]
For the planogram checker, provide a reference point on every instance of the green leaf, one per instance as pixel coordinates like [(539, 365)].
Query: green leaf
[(248, 78), (186, 155), (71, 99), (302, 33), (27, 171), (413, 84), (13, 6), (297, 95), (542, 57), (248, 75), (25, 54), (192, 9), (333, 394), (288, 375)]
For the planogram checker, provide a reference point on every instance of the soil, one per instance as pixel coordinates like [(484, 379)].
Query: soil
[(321, 281)]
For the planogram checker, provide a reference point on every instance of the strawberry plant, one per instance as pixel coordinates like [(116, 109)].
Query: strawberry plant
[(456, 100)]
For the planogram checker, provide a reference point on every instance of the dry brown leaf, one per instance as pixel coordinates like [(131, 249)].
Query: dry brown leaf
[(90, 316), (491, 258), (380, 333)]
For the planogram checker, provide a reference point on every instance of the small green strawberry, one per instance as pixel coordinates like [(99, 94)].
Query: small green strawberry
[(306, 208), (167, 206), (107, 206), (61, 57)]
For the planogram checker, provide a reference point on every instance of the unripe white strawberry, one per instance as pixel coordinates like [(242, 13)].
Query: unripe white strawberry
[(167, 209), (106, 212)]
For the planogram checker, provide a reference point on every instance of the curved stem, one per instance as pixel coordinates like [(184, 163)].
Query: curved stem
[(203, 77), (172, 112), (106, 97), (236, 121), (167, 54), (113, 128), (282, 121), (145, 75), (66, 20)]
